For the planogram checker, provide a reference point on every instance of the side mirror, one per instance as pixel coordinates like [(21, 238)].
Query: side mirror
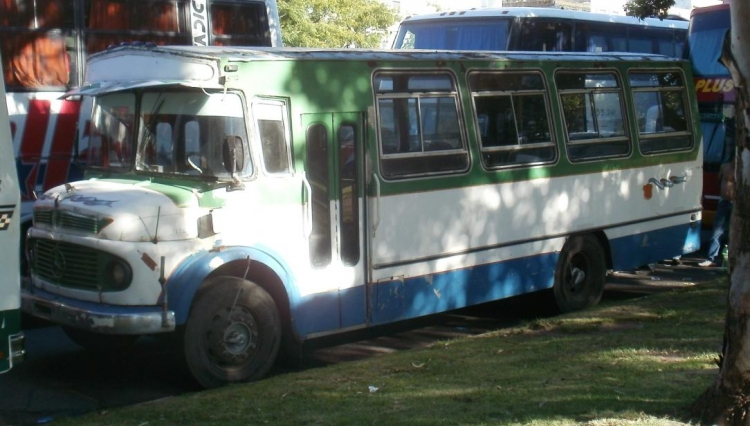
[(233, 154)]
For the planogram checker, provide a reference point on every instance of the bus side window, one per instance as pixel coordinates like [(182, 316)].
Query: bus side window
[(240, 24), (320, 242), (545, 35), (420, 130), (33, 43), (659, 103), (512, 110), (109, 22), (594, 115), (271, 122)]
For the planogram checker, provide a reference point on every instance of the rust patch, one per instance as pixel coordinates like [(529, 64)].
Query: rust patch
[(146, 259)]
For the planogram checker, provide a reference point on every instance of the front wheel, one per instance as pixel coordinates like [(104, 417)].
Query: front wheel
[(580, 274), (233, 332)]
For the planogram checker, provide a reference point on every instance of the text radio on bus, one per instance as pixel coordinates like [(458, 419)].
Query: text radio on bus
[(11, 337), (714, 89), (541, 29), (245, 198), (44, 46)]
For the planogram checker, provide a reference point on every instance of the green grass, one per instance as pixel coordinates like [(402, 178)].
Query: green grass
[(635, 362)]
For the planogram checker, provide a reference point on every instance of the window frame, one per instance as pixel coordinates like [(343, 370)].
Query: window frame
[(589, 94), (651, 136), (421, 168), (283, 105), (518, 147)]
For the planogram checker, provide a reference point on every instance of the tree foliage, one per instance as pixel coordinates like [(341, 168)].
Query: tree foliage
[(648, 8), (334, 23)]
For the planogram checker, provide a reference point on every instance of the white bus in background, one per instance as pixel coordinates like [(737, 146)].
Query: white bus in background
[(45, 44), (11, 337), (541, 29)]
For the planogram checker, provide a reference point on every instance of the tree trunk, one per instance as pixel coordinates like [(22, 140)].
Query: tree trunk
[(727, 401)]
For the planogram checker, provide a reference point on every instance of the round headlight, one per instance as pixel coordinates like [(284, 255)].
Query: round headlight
[(119, 274)]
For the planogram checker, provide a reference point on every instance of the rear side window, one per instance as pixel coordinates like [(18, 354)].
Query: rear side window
[(420, 130), (512, 118), (660, 108), (592, 104)]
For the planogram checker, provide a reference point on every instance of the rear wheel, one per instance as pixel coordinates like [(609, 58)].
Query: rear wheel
[(580, 274), (233, 332)]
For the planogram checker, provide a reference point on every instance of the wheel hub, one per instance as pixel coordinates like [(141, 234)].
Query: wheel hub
[(232, 337)]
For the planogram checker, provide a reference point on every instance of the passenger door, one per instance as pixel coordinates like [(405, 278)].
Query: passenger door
[(333, 156)]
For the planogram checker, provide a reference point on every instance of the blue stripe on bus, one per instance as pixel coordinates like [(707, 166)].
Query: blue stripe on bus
[(327, 312), (398, 300), (637, 250)]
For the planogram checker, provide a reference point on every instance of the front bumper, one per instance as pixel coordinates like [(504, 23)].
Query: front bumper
[(16, 352), (97, 317), (17, 348)]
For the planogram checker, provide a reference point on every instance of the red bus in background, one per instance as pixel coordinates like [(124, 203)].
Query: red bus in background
[(716, 98), (44, 45)]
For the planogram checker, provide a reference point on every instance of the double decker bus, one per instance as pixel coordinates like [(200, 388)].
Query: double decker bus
[(45, 44), (715, 91), (241, 198), (11, 336), (541, 29)]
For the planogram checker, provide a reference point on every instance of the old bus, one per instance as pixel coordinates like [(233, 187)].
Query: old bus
[(11, 337), (245, 197), (44, 46)]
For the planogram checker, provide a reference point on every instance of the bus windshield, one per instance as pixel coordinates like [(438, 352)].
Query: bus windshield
[(464, 35), (705, 40), (179, 133)]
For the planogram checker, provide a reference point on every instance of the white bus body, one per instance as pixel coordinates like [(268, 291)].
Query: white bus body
[(234, 194), (11, 337)]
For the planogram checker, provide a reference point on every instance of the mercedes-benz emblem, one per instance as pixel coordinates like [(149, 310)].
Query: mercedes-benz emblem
[(58, 264)]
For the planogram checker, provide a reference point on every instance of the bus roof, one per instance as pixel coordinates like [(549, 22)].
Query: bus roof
[(245, 54), (707, 9), (543, 12), (128, 67)]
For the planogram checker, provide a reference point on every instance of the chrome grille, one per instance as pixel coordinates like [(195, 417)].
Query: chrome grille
[(81, 223), (68, 265), (43, 216), (68, 220)]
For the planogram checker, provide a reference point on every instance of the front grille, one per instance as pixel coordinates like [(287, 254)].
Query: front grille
[(68, 220), (43, 216), (72, 265), (81, 223)]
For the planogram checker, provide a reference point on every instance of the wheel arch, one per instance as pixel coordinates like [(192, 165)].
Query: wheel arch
[(601, 237), (264, 270)]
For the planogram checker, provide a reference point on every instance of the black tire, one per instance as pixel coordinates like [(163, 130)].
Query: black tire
[(233, 332), (100, 343), (580, 274)]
